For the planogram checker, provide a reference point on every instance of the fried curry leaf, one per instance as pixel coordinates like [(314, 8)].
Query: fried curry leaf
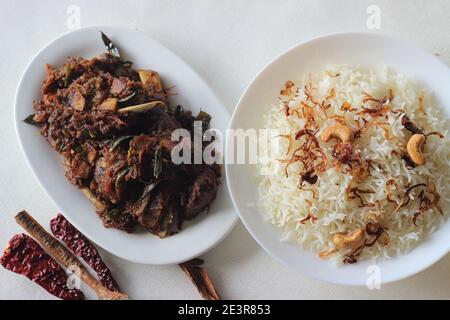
[(178, 113), (121, 177), (79, 149), (148, 189), (184, 118), (116, 142), (67, 75), (30, 120), (205, 118), (123, 100), (142, 107), (114, 213), (92, 134), (157, 169), (112, 49), (61, 146)]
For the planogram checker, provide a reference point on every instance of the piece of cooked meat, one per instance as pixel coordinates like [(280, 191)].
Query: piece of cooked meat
[(158, 211), (109, 174), (202, 193)]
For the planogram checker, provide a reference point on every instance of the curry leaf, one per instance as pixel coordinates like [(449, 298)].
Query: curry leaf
[(178, 113), (142, 107), (30, 120), (205, 118), (79, 149), (121, 177), (157, 166), (116, 142), (67, 75), (112, 49), (127, 98), (148, 189), (114, 213)]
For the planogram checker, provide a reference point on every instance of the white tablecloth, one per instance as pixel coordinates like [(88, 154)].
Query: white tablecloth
[(227, 42)]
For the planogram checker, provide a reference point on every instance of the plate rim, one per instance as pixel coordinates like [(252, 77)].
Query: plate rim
[(17, 121), (243, 96)]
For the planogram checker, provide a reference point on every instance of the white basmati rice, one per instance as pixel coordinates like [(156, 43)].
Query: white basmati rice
[(285, 205)]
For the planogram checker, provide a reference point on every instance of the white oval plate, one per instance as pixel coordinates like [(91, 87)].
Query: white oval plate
[(197, 236), (354, 49)]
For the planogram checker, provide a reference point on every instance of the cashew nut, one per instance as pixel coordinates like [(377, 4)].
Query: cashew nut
[(414, 148), (350, 240), (339, 131)]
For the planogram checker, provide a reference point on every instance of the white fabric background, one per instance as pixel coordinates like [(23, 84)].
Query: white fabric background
[(227, 42)]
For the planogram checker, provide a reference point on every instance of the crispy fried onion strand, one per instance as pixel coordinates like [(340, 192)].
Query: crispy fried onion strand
[(355, 193), (428, 199), (309, 217)]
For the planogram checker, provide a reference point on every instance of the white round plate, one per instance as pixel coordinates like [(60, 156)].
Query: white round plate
[(197, 236), (362, 49)]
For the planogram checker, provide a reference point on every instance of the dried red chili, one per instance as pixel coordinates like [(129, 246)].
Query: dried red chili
[(24, 256), (82, 247)]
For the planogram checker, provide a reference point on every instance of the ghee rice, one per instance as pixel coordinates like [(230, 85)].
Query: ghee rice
[(311, 215)]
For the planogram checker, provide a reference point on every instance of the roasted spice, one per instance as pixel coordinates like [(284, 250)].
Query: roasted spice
[(24, 256), (200, 278), (64, 256), (82, 247)]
